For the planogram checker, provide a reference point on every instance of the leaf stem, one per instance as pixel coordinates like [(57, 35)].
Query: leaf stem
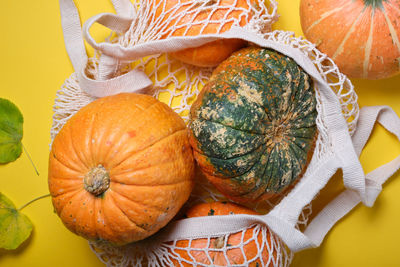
[(30, 159), (33, 200)]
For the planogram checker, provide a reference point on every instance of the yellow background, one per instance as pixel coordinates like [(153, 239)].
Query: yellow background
[(34, 64)]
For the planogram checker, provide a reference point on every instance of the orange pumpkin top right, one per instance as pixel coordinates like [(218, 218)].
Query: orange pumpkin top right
[(361, 36)]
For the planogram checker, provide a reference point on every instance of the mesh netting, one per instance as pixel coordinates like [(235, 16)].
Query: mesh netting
[(238, 249), (178, 85), (156, 19), (255, 245)]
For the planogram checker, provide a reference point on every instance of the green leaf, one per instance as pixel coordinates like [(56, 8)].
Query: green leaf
[(11, 121), (15, 227)]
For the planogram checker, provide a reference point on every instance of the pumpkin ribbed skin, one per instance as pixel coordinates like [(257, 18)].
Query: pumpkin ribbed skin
[(253, 125), (210, 54), (364, 40), (235, 255), (213, 53), (142, 146)]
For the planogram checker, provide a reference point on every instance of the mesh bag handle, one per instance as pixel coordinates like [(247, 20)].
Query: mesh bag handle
[(283, 217), (120, 23), (124, 8), (348, 199), (117, 51), (132, 81)]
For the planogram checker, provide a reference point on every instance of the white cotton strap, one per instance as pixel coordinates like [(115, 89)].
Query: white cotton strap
[(391, 122), (219, 225), (368, 116), (347, 200), (108, 66), (71, 25), (132, 81), (327, 218), (124, 8), (114, 22)]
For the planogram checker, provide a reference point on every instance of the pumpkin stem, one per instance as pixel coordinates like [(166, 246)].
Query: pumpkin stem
[(374, 3), (97, 180), (219, 242)]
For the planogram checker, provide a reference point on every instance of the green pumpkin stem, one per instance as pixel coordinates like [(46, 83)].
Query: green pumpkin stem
[(97, 180), (374, 3)]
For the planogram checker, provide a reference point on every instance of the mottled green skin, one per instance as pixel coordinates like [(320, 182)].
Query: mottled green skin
[(253, 126)]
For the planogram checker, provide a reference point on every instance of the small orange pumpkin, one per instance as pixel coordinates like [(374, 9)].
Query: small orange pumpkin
[(361, 36), (213, 53), (233, 255), (120, 168)]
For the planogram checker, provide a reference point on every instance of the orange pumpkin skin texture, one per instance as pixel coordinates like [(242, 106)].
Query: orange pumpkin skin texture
[(361, 36), (213, 53), (234, 255), (210, 54), (120, 168)]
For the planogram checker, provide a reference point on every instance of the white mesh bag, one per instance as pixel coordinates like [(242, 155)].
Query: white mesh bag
[(135, 60)]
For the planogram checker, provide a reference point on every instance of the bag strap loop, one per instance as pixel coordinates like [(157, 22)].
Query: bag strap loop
[(347, 200), (132, 81), (124, 8), (114, 22), (70, 22)]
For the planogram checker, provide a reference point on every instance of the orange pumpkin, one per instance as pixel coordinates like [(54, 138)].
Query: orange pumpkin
[(234, 255), (120, 168), (213, 53), (361, 36)]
